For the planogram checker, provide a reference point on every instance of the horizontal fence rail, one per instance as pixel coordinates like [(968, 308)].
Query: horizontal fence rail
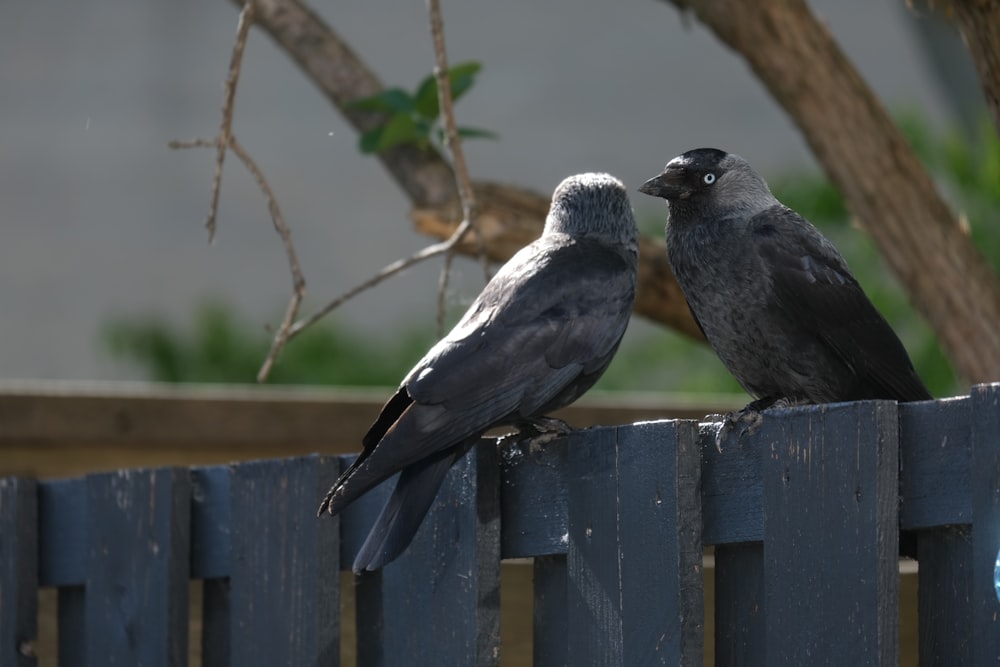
[(804, 517)]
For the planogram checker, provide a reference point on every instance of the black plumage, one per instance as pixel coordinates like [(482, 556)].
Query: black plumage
[(773, 296), (538, 336)]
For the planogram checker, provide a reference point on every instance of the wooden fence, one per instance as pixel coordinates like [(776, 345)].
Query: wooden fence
[(803, 516)]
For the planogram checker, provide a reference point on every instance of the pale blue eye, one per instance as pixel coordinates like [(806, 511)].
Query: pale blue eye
[(709, 178)]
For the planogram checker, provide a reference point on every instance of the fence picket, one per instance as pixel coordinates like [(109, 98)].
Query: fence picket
[(438, 604), (18, 572), (284, 588), (985, 485), (815, 542), (136, 599)]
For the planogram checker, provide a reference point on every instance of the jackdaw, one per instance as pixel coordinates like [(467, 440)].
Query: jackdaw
[(540, 334), (772, 295)]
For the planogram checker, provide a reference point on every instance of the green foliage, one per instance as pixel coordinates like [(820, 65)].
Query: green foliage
[(413, 118), (221, 348)]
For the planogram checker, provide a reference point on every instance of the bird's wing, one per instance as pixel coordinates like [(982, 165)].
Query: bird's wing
[(813, 284), (540, 332)]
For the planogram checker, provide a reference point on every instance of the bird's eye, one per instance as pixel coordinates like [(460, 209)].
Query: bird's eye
[(709, 178)]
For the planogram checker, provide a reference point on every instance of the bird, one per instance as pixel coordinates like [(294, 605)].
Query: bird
[(772, 295), (538, 336)]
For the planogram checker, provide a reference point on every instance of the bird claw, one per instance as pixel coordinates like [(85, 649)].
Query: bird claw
[(543, 430), (750, 418)]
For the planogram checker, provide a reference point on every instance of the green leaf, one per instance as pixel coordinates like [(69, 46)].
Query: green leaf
[(370, 140), (476, 133), (460, 77), (399, 130), (391, 100)]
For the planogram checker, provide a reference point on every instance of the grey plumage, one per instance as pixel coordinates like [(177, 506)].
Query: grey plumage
[(538, 336), (773, 296)]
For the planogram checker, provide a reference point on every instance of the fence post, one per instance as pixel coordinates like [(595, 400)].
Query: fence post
[(441, 598), (136, 591), (985, 523), (831, 577), (18, 571), (634, 556), (284, 585)]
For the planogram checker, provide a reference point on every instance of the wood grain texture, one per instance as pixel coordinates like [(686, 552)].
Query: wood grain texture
[(739, 605), (945, 615), (634, 565), (18, 572), (830, 516), (284, 581), (441, 597), (985, 485), (138, 556)]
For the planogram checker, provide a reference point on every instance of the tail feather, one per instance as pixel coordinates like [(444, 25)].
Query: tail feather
[(403, 513)]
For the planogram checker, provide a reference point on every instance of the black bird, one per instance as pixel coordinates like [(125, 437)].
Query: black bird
[(773, 296), (540, 334)]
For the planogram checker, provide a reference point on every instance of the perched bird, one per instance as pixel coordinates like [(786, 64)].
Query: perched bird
[(772, 295), (540, 334)]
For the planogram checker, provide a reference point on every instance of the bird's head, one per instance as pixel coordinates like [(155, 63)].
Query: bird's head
[(594, 205), (709, 177)]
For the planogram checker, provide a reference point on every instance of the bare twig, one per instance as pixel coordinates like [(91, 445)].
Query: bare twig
[(388, 271), (281, 336), (454, 144), (226, 127)]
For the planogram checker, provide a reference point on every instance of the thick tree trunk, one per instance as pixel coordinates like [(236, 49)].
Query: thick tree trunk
[(508, 217), (979, 22), (869, 160)]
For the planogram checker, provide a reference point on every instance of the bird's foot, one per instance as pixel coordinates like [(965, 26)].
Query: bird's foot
[(543, 430), (748, 420)]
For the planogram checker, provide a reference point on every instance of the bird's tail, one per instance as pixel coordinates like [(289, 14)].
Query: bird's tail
[(403, 513)]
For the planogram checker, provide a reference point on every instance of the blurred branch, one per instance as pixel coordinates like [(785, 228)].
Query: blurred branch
[(454, 144), (868, 159), (507, 217), (979, 22)]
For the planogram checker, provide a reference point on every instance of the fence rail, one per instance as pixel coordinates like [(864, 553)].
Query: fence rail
[(803, 515)]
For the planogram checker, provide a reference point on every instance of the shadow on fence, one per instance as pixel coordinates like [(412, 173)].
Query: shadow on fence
[(804, 517)]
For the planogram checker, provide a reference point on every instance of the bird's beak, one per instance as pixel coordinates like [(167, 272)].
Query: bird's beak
[(668, 185)]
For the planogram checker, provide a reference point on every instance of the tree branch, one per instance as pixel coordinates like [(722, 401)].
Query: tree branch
[(979, 22), (507, 217), (869, 160)]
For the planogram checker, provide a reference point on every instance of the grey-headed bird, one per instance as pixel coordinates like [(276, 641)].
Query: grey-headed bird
[(773, 296), (540, 334)]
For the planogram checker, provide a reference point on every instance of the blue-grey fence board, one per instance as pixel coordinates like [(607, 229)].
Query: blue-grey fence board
[(284, 578), (739, 604), (439, 603), (138, 557), (533, 498), (550, 629), (18, 572), (944, 587), (985, 523), (731, 490), (634, 564), (817, 541)]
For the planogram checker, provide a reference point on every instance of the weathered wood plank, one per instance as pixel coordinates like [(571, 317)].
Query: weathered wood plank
[(935, 456), (831, 516), (136, 602), (284, 581), (739, 605), (533, 498), (62, 547), (985, 523), (634, 562), (18, 572), (550, 625), (441, 597), (732, 490), (944, 588), (211, 542)]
